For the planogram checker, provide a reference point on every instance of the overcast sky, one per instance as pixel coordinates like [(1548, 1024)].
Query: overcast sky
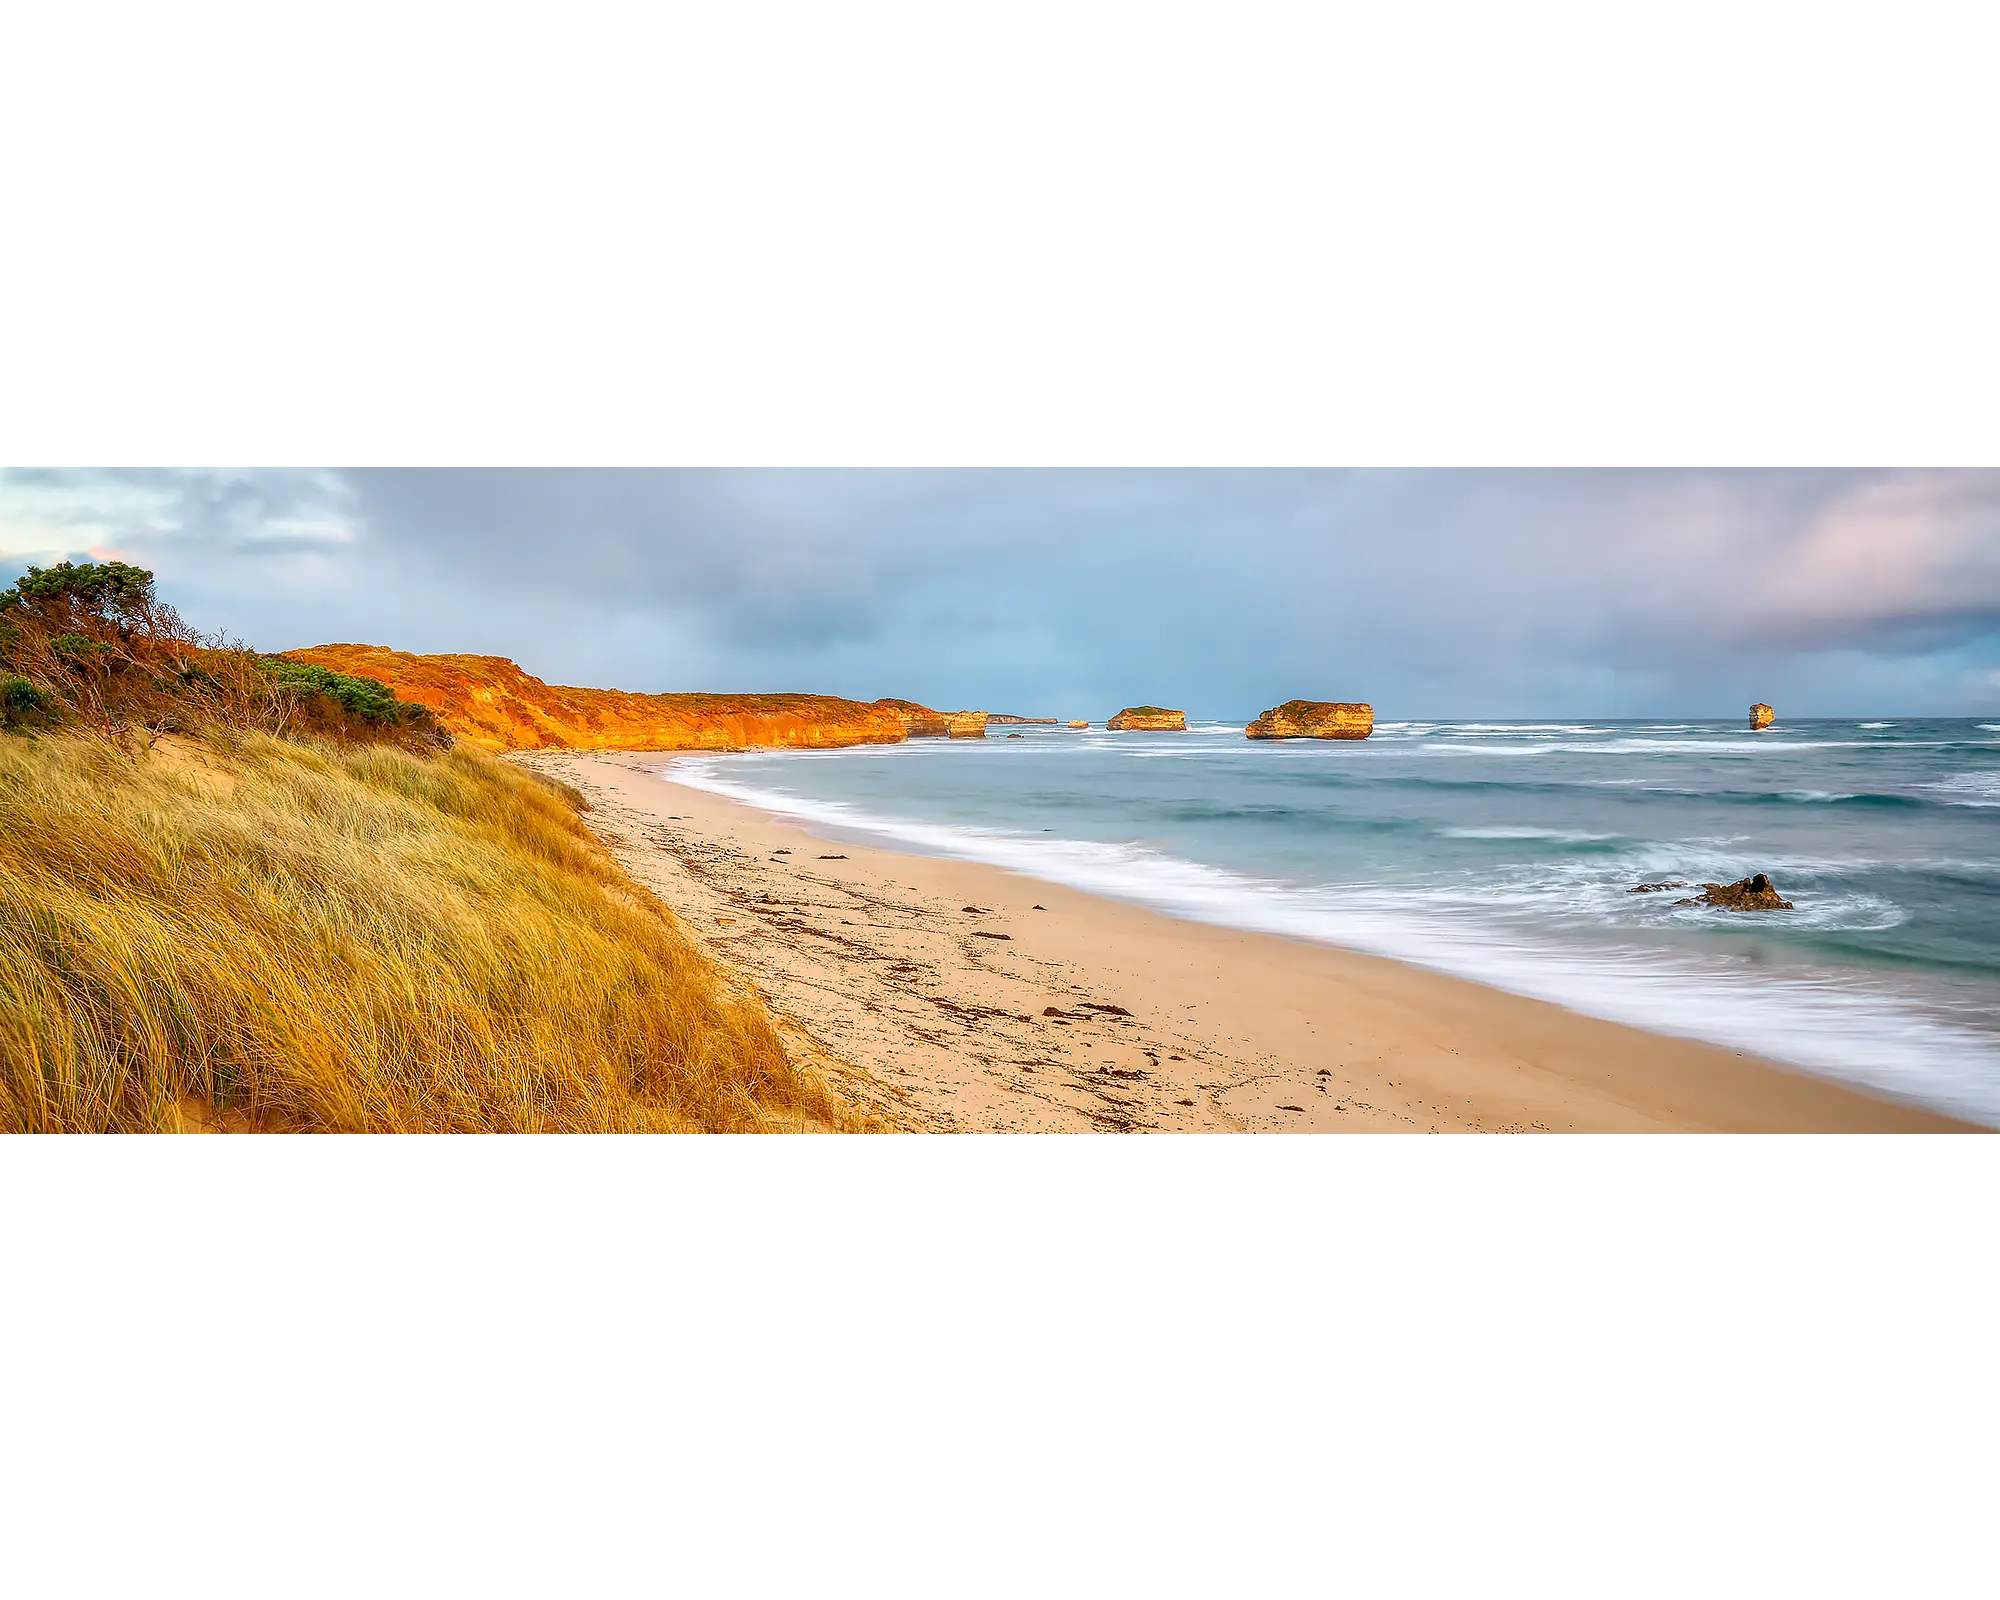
[(1431, 594)]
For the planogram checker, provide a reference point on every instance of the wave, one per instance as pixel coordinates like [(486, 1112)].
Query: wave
[(1484, 730), (1554, 835), (1822, 797), (1628, 746), (1969, 789), (1844, 1027)]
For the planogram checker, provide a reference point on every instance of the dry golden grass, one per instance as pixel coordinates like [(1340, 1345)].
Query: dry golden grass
[(253, 932)]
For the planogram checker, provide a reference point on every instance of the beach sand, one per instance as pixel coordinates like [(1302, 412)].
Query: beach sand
[(922, 987)]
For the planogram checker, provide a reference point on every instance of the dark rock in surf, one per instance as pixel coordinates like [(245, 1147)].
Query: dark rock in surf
[(1755, 893)]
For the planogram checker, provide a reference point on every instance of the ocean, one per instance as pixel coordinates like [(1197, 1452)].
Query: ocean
[(1506, 852)]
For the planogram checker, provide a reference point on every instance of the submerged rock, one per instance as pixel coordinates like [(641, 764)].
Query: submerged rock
[(1314, 719), (1755, 893), (1761, 716), (967, 725), (1148, 719)]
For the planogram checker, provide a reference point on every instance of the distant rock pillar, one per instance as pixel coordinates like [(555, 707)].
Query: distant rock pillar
[(1315, 719), (1761, 716)]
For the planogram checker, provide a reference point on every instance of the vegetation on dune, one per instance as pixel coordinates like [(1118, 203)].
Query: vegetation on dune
[(89, 644), (243, 892), (316, 937)]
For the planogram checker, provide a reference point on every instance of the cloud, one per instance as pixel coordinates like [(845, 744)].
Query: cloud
[(1436, 592)]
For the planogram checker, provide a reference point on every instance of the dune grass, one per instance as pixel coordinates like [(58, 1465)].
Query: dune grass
[(244, 931)]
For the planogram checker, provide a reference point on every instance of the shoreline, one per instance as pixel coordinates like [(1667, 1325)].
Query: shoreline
[(920, 985)]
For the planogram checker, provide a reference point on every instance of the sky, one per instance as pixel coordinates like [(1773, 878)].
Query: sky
[(1430, 594)]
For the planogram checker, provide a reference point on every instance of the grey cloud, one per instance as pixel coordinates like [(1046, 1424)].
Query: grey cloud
[(1435, 592)]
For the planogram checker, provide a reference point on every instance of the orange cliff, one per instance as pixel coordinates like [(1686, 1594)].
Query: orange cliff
[(490, 703), (919, 722)]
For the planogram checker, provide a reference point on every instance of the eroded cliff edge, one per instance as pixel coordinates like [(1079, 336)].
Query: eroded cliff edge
[(492, 704)]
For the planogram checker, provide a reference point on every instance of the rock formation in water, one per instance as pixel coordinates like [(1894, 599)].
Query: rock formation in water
[(1021, 722), (1148, 719), (1761, 715), (967, 725), (1315, 719), (919, 722), (1078, 722), (491, 704), (1755, 893)]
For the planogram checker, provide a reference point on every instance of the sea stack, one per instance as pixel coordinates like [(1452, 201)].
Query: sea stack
[(1761, 716), (1078, 722), (1148, 719), (919, 722), (967, 725), (1314, 719)]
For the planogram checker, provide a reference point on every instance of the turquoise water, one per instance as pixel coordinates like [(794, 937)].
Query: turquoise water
[(1505, 852)]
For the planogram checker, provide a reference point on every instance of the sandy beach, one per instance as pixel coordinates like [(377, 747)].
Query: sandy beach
[(950, 996)]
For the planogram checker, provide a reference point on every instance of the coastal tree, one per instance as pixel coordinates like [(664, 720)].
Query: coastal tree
[(92, 643)]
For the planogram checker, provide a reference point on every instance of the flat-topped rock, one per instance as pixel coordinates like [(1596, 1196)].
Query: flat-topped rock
[(966, 725), (1315, 719), (1148, 719), (1761, 715), (1078, 722)]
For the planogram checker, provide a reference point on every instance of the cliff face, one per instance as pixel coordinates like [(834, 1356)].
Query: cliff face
[(1020, 722), (1315, 719), (493, 705), (1148, 719), (1761, 715), (967, 725), (919, 722)]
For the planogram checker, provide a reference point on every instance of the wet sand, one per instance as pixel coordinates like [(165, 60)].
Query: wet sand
[(952, 996)]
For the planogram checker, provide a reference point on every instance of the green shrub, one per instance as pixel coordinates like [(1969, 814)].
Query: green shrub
[(366, 698), (340, 705), (22, 705)]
